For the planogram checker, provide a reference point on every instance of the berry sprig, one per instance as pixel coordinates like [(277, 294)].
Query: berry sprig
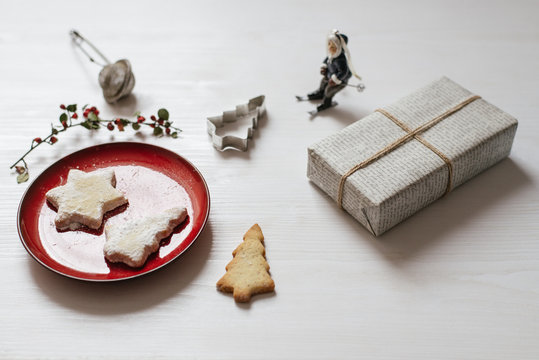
[(161, 126)]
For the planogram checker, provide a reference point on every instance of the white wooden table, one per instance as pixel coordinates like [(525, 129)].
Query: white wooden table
[(459, 280)]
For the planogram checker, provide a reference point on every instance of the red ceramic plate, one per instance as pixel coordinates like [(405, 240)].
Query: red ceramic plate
[(153, 180)]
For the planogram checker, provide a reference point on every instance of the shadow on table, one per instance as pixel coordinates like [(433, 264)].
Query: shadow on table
[(131, 295), (342, 115), (437, 221), (126, 107)]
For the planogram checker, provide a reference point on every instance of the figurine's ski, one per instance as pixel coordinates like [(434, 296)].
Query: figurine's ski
[(316, 111)]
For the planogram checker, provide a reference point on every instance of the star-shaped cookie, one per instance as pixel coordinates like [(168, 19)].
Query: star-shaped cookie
[(132, 241), (85, 198)]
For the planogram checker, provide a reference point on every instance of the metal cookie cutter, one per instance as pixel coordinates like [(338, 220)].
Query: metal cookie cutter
[(254, 109)]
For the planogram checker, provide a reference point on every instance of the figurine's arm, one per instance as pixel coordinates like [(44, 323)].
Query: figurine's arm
[(324, 67)]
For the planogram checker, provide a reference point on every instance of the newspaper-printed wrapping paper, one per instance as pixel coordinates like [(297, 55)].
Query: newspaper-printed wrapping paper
[(411, 176)]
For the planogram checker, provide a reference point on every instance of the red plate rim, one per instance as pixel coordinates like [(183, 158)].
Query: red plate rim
[(85, 276)]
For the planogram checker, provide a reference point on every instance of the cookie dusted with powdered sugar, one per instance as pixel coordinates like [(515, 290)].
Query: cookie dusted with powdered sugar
[(85, 198), (132, 241)]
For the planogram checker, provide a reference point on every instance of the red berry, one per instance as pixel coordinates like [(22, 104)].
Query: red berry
[(53, 140), (167, 130), (153, 118), (161, 121), (110, 126), (86, 112), (152, 125), (141, 119), (63, 107), (117, 121), (93, 108), (96, 112), (75, 116), (64, 124)]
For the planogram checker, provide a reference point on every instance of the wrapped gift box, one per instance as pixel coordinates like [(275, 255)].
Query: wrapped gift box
[(397, 160)]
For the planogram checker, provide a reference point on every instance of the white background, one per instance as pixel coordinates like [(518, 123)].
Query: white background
[(459, 280)]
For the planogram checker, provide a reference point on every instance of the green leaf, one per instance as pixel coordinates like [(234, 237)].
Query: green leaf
[(136, 126), (72, 107), (87, 125), (124, 122), (174, 135), (162, 114), (95, 125), (136, 114), (158, 131), (54, 131), (63, 117), (84, 107), (23, 177), (167, 124), (92, 116)]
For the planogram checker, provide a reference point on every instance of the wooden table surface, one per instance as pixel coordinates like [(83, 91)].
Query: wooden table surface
[(459, 280)]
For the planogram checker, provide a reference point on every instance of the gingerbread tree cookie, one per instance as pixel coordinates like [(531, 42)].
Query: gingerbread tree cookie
[(248, 272)]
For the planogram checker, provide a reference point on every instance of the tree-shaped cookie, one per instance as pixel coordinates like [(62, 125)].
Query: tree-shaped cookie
[(248, 272)]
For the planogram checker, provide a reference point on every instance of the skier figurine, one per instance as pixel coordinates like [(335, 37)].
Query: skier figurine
[(336, 70)]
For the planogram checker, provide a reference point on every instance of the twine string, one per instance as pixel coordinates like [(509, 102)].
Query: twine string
[(410, 134)]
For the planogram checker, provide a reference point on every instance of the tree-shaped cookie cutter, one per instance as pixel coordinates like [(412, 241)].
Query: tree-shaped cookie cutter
[(254, 109)]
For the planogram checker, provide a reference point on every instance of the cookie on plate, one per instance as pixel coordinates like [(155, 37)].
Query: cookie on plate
[(85, 198), (248, 272), (132, 241)]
